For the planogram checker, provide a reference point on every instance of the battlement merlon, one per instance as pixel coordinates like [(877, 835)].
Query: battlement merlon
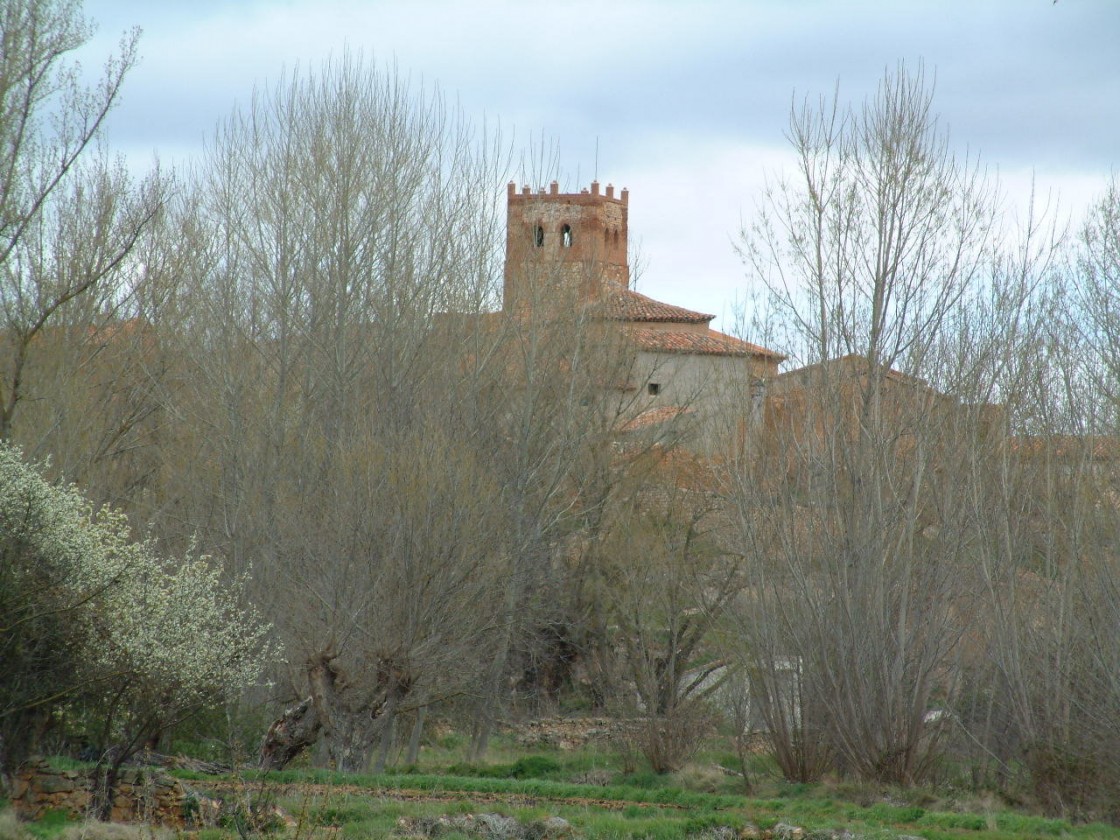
[(553, 192)]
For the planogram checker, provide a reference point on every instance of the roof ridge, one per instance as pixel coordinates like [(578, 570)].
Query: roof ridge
[(625, 304), (711, 342)]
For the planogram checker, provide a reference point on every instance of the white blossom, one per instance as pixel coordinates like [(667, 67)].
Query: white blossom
[(166, 636)]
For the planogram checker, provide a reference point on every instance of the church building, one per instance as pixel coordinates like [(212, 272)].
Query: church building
[(569, 250)]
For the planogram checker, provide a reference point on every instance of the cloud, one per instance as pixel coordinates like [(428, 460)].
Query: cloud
[(685, 103)]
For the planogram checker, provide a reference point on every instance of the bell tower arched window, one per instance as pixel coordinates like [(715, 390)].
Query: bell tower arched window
[(538, 237), (566, 236)]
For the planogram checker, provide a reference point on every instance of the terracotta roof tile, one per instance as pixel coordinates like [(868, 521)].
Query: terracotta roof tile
[(710, 343), (851, 366), (627, 305), (1096, 447)]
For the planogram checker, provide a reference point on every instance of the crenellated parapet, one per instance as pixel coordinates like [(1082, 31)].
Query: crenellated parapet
[(575, 243)]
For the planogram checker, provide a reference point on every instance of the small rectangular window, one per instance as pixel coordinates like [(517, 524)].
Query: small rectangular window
[(654, 388)]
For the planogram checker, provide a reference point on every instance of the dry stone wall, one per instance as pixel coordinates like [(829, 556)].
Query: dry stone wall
[(145, 795)]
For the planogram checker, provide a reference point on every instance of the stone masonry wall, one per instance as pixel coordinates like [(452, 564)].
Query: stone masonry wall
[(142, 794)]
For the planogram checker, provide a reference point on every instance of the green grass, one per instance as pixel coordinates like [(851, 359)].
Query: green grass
[(543, 788), (531, 785), (62, 762), (362, 806), (51, 824), (319, 803), (527, 767)]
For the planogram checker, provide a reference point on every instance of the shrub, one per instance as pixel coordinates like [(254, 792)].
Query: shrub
[(668, 741), (99, 623), (534, 767), (1075, 782)]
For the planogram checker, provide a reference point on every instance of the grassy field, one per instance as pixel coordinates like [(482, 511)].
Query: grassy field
[(584, 793), (387, 805)]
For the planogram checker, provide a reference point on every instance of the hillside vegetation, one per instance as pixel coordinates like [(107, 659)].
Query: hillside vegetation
[(286, 485)]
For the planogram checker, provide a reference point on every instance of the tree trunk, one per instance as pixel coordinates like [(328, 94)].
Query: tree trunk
[(388, 729), (414, 740), (354, 715), (289, 735)]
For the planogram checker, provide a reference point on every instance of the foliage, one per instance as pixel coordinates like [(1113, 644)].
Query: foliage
[(95, 623), (527, 767), (916, 568)]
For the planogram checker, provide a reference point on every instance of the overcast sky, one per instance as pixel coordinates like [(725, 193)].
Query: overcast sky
[(685, 101)]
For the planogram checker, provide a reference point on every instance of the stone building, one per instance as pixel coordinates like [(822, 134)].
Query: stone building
[(567, 253)]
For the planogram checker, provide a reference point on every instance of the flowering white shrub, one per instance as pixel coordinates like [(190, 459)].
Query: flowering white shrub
[(181, 634), (93, 619)]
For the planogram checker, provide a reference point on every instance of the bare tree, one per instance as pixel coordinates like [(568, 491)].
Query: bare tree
[(69, 216), (871, 247), (341, 256), (1051, 578), (855, 511), (567, 466), (1098, 267)]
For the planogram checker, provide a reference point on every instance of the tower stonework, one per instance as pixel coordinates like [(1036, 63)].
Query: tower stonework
[(562, 247)]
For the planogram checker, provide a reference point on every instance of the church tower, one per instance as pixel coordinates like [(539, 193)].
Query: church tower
[(564, 247)]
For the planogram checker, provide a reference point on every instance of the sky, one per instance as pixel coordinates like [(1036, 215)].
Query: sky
[(684, 103)]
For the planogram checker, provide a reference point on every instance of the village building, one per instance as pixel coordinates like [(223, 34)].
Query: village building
[(568, 253)]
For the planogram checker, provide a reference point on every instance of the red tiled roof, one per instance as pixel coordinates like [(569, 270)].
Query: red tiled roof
[(710, 343), (851, 366), (627, 305), (1067, 446)]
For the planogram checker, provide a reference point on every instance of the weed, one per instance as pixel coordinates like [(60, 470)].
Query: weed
[(534, 767), (49, 825), (646, 780), (706, 822), (684, 806), (11, 828), (93, 830), (700, 777)]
